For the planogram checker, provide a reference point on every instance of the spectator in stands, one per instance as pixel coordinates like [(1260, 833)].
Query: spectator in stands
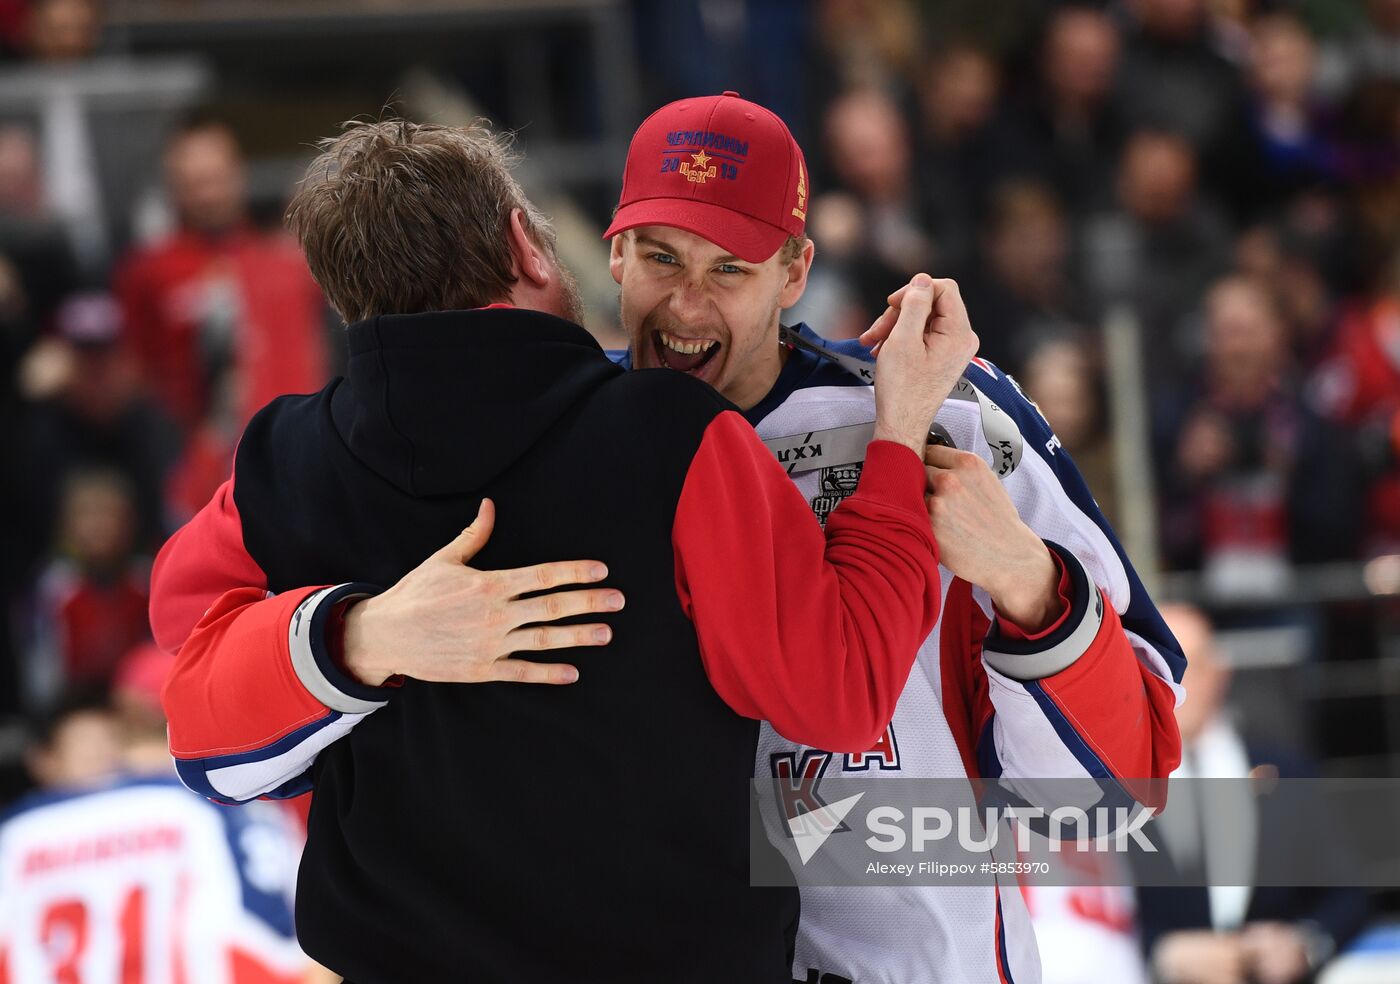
[(1020, 286), (960, 152), (90, 604), (1226, 933), (94, 414), (870, 220), (1062, 376), (1293, 147), (1300, 258), (59, 36), (1358, 386), (868, 146), (220, 305), (1158, 249), (1368, 138), (1240, 489), (31, 258), (1173, 79), (32, 240), (1069, 130), (98, 119), (62, 30)]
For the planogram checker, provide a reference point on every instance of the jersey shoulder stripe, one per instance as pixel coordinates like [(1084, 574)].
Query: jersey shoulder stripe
[(201, 774), (1141, 614)]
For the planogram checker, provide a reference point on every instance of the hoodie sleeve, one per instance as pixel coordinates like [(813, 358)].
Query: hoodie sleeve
[(815, 633), (255, 693)]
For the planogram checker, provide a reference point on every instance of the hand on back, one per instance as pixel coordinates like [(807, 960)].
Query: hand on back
[(449, 623)]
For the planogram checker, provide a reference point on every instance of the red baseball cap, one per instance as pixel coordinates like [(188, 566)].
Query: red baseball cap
[(721, 167)]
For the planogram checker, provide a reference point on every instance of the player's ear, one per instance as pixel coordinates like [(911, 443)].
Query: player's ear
[(797, 271), (617, 255), (530, 261)]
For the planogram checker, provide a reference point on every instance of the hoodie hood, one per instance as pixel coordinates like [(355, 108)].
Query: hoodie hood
[(442, 403)]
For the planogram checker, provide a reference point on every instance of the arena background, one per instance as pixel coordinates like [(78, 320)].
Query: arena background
[(1176, 221)]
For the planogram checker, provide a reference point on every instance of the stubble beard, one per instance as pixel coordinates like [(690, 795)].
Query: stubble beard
[(570, 294)]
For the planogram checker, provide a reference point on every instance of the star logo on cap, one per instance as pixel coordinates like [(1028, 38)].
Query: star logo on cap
[(701, 170)]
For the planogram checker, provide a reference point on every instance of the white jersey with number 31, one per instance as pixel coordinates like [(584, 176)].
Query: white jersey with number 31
[(143, 882)]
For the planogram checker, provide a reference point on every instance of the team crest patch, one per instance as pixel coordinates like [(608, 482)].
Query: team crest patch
[(834, 485), (698, 169)]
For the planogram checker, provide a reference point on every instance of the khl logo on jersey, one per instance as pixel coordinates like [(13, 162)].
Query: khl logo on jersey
[(835, 484)]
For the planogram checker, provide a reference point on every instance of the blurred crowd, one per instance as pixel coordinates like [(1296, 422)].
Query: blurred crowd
[(1224, 175), (135, 343), (1226, 172)]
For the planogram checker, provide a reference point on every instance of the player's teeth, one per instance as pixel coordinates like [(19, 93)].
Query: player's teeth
[(686, 348)]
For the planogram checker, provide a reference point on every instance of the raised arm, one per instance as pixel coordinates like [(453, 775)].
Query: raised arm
[(817, 633), (1069, 670)]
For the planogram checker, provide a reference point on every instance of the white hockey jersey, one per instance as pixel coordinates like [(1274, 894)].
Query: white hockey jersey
[(1094, 697), (143, 882)]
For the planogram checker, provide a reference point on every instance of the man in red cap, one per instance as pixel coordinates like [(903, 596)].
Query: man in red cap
[(1049, 659), (715, 183)]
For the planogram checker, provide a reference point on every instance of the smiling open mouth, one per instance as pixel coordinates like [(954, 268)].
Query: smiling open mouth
[(683, 354)]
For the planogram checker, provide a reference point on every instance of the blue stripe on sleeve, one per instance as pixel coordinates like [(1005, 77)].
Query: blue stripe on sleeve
[(194, 772), (1141, 615)]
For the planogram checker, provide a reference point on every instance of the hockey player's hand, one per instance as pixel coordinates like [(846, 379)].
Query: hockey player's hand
[(923, 353), (982, 540), (880, 329), (449, 623)]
